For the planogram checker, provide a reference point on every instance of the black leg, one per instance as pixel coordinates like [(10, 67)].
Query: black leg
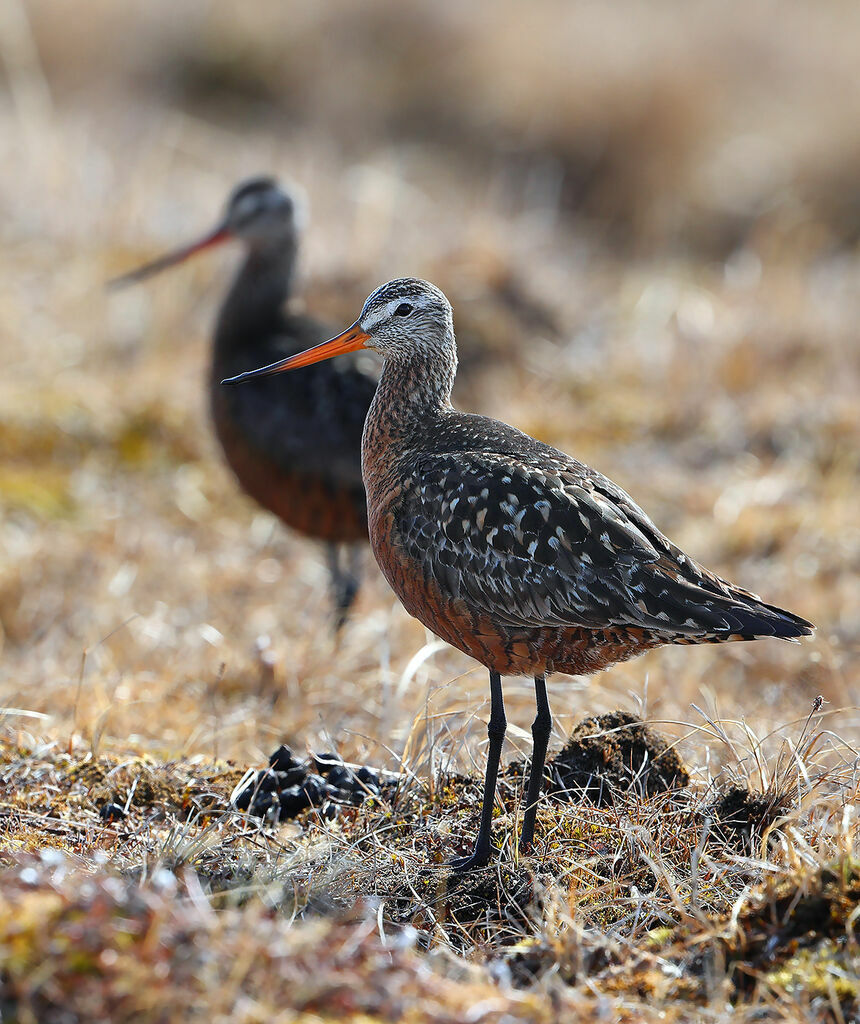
[(345, 583), (496, 731), (541, 728)]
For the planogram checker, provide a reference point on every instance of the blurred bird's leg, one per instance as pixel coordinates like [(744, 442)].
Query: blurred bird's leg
[(345, 581), (541, 727), (496, 728), (355, 556)]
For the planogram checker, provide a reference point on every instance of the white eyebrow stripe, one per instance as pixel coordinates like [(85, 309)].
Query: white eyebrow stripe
[(387, 311), (368, 323)]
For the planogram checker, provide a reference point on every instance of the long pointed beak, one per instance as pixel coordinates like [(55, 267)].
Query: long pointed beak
[(171, 259), (353, 338)]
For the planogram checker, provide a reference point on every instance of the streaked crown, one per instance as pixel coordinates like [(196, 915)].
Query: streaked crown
[(407, 314)]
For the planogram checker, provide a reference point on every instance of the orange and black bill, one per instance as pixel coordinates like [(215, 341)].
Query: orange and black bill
[(352, 339), (171, 259)]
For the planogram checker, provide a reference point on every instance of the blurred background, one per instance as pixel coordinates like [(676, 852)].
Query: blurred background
[(647, 218)]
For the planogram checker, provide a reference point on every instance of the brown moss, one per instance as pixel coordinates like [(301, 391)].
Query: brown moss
[(100, 949), (798, 911), (793, 938)]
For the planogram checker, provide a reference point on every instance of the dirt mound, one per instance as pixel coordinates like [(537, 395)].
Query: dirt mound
[(615, 753)]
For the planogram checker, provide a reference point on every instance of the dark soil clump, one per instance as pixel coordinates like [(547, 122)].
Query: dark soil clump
[(742, 815), (615, 753)]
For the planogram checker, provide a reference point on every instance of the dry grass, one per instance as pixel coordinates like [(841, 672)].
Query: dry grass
[(648, 226)]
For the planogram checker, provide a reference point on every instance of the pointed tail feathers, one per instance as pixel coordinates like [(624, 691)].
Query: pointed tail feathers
[(710, 608)]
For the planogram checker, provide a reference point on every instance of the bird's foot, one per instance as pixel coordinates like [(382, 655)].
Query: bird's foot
[(479, 857)]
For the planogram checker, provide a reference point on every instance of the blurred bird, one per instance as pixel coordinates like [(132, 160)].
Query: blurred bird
[(294, 444), (510, 550)]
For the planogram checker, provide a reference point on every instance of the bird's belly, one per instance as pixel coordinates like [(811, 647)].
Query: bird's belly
[(508, 650), (304, 501)]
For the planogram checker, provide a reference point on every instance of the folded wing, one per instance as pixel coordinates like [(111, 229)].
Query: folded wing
[(549, 543)]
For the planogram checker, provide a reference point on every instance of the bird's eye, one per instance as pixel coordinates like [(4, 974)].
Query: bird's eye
[(404, 309)]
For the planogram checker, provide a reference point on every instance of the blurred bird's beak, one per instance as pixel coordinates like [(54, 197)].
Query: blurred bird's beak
[(353, 338), (171, 259)]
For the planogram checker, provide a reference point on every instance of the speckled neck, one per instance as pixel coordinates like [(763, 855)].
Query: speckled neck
[(412, 392)]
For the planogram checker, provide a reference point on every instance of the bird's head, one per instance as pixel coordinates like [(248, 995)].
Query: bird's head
[(259, 212), (405, 316), (402, 319)]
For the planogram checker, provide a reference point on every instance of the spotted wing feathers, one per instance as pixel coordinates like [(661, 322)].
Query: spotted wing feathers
[(542, 544)]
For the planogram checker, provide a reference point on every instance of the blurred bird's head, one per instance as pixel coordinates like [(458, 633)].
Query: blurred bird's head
[(259, 212)]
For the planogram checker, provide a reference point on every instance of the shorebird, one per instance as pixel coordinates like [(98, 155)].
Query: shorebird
[(294, 444), (512, 551)]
